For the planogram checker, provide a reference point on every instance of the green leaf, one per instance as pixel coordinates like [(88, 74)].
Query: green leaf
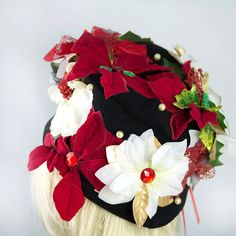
[(215, 154), (187, 97), (209, 105), (176, 68), (130, 36), (221, 120), (106, 68), (207, 135), (128, 73)]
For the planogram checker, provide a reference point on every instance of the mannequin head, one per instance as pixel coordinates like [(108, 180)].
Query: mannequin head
[(91, 220)]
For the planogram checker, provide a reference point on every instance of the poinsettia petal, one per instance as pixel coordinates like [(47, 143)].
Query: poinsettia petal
[(139, 85), (163, 75), (108, 173), (89, 137), (203, 117), (92, 52), (89, 168), (61, 145), (165, 89), (149, 142), (153, 197), (61, 49), (186, 67), (104, 34), (113, 82), (38, 156), (194, 137), (68, 195), (113, 198), (126, 183), (179, 122)]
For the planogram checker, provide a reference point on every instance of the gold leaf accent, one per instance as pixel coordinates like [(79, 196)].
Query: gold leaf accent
[(165, 201), (156, 142), (140, 203)]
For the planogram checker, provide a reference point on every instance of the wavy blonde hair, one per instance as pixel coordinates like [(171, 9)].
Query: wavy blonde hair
[(91, 220)]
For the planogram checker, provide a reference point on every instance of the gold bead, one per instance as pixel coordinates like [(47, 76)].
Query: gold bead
[(178, 200), (90, 87), (162, 107), (157, 57), (119, 134)]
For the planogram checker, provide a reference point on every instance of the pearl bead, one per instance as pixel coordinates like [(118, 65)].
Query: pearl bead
[(157, 56), (178, 200), (147, 175), (90, 87), (162, 107), (119, 134), (71, 159)]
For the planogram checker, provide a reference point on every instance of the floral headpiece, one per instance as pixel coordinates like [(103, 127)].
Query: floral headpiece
[(136, 127)]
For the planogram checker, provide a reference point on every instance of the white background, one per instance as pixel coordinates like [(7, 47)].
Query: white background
[(28, 29)]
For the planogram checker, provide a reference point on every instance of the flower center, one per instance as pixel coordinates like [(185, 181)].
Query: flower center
[(71, 159), (65, 90), (147, 175)]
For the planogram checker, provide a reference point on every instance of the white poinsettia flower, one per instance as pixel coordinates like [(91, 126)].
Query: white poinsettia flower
[(138, 161), (71, 113)]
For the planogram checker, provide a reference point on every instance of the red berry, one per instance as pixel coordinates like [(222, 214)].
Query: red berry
[(71, 159), (147, 175)]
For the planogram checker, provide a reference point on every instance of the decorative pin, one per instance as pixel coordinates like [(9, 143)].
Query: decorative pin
[(119, 134), (162, 107), (157, 56), (90, 87), (178, 200)]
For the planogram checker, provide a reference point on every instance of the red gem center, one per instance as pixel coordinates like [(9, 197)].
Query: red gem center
[(71, 159), (147, 175)]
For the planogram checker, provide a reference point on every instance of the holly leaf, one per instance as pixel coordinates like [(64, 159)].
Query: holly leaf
[(221, 120), (187, 97), (209, 105), (130, 36), (207, 136), (215, 154), (176, 68)]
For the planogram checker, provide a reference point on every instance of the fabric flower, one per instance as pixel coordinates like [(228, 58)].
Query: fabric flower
[(72, 112), (138, 161), (166, 87), (115, 59), (84, 152)]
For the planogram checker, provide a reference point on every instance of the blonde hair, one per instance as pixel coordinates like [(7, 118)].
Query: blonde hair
[(91, 220)]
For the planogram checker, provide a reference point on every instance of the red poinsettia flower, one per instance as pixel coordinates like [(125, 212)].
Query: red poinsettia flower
[(84, 152), (60, 49), (113, 58), (166, 86)]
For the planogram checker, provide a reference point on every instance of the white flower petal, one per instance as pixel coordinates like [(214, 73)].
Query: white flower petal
[(152, 206), (108, 173), (126, 183), (55, 94), (136, 151), (148, 139), (113, 198), (169, 152), (61, 69), (194, 137), (72, 113)]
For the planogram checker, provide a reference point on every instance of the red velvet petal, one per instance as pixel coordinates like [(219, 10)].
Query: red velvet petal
[(186, 67), (104, 34), (179, 122), (165, 89), (89, 168), (140, 86), (38, 156), (92, 52), (48, 140), (61, 49), (203, 117), (68, 195), (113, 83), (61, 145), (89, 137)]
